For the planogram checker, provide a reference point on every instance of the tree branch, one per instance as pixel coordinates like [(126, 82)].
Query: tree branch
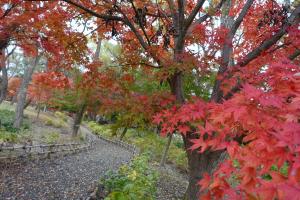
[(93, 13), (236, 24), (265, 45), (193, 14), (293, 19), (227, 49), (8, 10), (207, 15), (140, 23), (295, 54)]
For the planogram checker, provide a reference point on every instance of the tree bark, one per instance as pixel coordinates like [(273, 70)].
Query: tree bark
[(77, 120), (167, 147), (21, 98), (4, 78)]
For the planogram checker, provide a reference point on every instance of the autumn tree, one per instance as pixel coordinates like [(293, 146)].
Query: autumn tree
[(166, 30), (32, 28), (159, 36)]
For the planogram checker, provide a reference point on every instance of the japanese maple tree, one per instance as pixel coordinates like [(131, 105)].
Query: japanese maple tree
[(251, 118)]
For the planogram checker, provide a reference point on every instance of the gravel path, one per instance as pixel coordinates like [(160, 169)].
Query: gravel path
[(70, 177)]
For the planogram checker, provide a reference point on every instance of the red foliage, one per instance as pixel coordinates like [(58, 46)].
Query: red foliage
[(259, 127)]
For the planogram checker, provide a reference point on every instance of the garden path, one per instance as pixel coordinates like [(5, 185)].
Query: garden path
[(70, 177)]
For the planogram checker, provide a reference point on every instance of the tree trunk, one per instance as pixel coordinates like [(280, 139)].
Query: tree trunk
[(13, 99), (21, 98), (199, 163), (123, 133), (77, 120), (27, 103), (98, 49), (167, 147), (4, 78), (45, 108), (38, 110)]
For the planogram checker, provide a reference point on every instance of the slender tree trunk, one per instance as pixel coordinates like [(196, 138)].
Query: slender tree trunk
[(98, 49), (167, 147), (21, 98), (77, 120), (4, 78), (123, 133), (38, 111), (13, 99), (27, 103)]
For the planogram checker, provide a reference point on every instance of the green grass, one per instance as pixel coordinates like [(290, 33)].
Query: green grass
[(150, 142)]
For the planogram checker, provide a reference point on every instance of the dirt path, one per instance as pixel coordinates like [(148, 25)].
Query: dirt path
[(70, 177)]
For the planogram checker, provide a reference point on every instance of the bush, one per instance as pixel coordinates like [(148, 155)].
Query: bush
[(7, 118), (136, 181), (14, 137), (103, 130), (54, 123), (155, 144), (61, 116), (6, 136), (51, 138)]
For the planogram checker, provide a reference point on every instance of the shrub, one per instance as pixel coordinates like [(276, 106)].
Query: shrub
[(103, 130), (14, 137), (54, 123), (6, 136), (155, 144), (136, 181), (51, 138), (61, 116), (7, 118)]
